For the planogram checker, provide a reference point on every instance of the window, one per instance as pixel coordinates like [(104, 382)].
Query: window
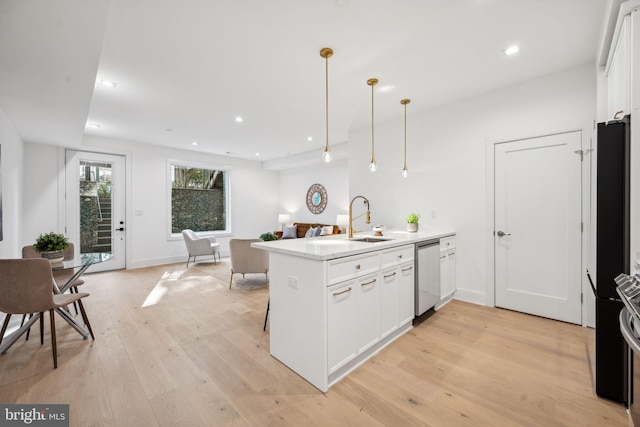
[(199, 198)]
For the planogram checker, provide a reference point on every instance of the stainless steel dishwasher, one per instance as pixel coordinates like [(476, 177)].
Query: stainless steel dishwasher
[(427, 275)]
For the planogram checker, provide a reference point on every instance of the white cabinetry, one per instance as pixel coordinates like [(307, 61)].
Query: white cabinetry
[(341, 305), (619, 73), (447, 270), (406, 293), (367, 311)]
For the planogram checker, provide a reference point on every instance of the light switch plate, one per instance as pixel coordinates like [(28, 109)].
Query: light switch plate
[(292, 282)]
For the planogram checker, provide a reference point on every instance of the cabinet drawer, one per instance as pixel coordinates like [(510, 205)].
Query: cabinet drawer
[(447, 243), (397, 256), (349, 267)]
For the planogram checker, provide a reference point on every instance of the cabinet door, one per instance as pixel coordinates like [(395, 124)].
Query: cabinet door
[(406, 293), (444, 273), (368, 312), (450, 283), (389, 301), (341, 334)]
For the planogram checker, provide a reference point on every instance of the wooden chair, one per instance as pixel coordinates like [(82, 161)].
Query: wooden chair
[(26, 287)]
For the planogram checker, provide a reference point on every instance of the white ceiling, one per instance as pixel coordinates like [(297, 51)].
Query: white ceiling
[(193, 65)]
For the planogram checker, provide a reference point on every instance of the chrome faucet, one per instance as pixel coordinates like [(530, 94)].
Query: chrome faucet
[(351, 218)]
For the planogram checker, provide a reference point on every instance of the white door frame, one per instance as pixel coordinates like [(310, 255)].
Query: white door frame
[(62, 185), (588, 303)]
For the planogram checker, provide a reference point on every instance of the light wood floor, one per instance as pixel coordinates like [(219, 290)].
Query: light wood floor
[(176, 347)]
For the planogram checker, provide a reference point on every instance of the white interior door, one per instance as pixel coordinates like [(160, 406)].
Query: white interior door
[(95, 205), (538, 226)]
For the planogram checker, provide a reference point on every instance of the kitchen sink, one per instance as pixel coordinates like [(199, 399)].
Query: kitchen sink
[(370, 239)]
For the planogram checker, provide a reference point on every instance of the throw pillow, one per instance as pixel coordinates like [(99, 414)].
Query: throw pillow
[(290, 232), (326, 230), (317, 232), (310, 232)]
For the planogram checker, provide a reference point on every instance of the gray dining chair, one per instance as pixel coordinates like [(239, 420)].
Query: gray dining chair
[(26, 287), (60, 276)]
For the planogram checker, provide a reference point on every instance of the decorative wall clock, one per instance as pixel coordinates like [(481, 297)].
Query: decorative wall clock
[(316, 198)]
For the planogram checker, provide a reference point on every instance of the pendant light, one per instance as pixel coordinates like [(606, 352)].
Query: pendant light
[(405, 171), (373, 166), (327, 53)]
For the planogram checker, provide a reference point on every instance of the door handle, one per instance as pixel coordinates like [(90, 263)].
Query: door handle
[(119, 229), (502, 234)]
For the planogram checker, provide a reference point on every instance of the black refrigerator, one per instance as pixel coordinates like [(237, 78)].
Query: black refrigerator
[(612, 256)]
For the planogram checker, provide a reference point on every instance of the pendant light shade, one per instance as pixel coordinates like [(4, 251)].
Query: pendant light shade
[(373, 166), (405, 171), (326, 53)]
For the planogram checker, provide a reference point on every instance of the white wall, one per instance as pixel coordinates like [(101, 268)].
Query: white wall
[(447, 160), (294, 184), (253, 196), (43, 201), (11, 169)]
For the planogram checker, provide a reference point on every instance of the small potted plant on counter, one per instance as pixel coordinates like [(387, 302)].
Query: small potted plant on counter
[(51, 246), (412, 222)]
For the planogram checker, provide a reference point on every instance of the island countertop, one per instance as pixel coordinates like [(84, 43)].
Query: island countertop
[(324, 248)]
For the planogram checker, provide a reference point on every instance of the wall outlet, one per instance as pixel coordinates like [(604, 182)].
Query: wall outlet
[(292, 282)]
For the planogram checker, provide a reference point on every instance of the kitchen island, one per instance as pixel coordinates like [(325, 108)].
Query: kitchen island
[(335, 301)]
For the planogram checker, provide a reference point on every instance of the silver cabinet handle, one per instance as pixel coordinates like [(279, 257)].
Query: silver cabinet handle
[(407, 269), (502, 233), (368, 283), (390, 275), (342, 292)]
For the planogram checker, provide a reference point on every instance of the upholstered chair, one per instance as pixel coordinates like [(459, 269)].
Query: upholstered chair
[(200, 246), (26, 287), (247, 260)]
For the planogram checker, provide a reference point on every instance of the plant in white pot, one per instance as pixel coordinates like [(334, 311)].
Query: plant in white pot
[(412, 222), (51, 246)]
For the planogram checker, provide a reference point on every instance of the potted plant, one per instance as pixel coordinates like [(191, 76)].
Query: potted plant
[(412, 222), (51, 246), (268, 237)]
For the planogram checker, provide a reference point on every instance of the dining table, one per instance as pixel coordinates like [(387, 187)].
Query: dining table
[(80, 265)]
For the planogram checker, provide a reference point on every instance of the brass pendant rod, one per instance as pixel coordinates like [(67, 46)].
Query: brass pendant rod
[(326, 105), (326, 53), (372, 82), (405, 102)]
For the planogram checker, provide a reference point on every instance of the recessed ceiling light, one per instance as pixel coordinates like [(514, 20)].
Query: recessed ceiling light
[(386, 88), (512, 50), (93, 125), (257, 154), (194, 143), (239, 119), (310, 138), (108, 83)]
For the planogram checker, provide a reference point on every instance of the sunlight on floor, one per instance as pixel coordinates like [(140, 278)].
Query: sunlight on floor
[(160, 289), (173, 281)]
